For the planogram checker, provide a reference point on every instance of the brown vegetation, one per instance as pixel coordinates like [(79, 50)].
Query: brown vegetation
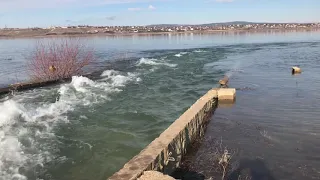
[(211, 162), (58, 59)]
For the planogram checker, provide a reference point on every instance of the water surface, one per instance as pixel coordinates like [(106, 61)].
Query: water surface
[(89, 129), (273, 128)]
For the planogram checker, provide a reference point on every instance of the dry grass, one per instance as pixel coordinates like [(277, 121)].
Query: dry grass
[(223, 156), (213, 159)]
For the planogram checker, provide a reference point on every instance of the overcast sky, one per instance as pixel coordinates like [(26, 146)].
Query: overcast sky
[(44, 13)]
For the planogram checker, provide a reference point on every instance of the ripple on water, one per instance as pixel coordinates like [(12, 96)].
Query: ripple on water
[(270, 128)]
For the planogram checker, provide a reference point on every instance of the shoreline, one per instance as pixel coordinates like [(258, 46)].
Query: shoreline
[(20, 36)]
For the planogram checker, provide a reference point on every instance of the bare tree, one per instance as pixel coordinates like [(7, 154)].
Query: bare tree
[(59, 59)]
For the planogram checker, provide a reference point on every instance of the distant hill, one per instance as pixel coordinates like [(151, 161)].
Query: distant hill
[(215, 24), (209, 24), (167, 25)]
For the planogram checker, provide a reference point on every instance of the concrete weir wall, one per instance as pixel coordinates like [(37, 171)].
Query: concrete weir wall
[(164, 154), (23, 86), (26, 86)]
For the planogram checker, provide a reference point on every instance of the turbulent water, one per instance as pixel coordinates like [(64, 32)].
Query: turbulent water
[(88, 129), (30, 121)]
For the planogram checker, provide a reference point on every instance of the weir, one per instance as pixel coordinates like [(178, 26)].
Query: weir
[(165, 153), (23, 86)]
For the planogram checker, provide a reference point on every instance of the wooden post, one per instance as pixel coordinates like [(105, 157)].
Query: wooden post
[(224, 82), (296, 70)]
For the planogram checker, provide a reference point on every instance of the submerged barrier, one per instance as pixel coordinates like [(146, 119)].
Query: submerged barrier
[(26, 86), (32, 85), (165, 153)]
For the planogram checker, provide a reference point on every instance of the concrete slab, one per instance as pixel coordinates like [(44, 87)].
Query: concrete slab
[(226, 94), (226, 103), (154, 175)]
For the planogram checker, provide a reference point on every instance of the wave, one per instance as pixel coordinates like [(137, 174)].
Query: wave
[(154, 62), (199, 51), (180, 54), (27, 124), (119, 79)]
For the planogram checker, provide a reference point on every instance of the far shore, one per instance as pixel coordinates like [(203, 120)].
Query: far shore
[(21, 34)]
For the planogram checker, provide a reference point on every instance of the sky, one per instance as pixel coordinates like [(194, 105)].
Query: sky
[(46, 13)]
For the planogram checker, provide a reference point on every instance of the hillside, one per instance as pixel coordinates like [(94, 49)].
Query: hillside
[(216, 24)]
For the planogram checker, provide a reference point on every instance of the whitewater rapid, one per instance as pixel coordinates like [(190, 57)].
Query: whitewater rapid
[(28, 120)]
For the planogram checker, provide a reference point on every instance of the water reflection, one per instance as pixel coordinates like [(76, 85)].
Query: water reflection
[(112, 47)]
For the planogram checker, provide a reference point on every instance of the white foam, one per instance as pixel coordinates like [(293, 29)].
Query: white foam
[(24, 122), (139, 79), (154, 62), (180, 54), (12, 156), (199, 51), (117, 78), (148, 61), (83, 117), (109, 73), (79, 83)]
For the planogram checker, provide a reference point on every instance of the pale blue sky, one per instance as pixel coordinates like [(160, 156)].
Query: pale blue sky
[(43, 13)]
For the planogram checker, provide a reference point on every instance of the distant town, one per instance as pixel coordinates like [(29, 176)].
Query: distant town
[(86, 29)]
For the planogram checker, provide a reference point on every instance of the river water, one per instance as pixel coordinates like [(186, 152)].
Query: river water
[(145, 83), (272, 130)]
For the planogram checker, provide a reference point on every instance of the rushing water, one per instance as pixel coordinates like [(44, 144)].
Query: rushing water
[(88, 129)]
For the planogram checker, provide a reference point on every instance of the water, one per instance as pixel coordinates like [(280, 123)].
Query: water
[(16, 52), (88, 129), (273, 128)]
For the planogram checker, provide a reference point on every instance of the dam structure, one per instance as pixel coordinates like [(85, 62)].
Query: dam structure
[(165, 153)]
